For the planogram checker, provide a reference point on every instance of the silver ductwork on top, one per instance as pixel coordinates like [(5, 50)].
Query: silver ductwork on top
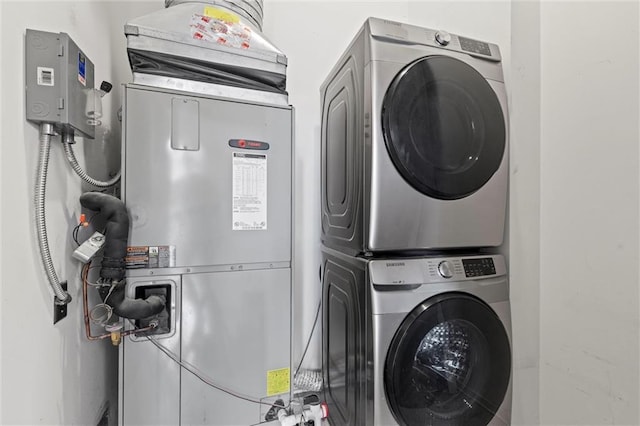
[(251, 10), (197, 45)]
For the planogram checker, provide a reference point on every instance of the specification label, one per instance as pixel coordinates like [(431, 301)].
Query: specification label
[(249, 192)]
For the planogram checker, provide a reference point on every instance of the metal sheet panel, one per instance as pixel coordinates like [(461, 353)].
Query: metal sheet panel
[(184, 198), (194, 38), (342, 166), (236, 329), (59, 79), (345, 339), (150, 380), (185, 126)]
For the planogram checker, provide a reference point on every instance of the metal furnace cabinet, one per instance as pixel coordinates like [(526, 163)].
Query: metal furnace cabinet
[(208, 185)]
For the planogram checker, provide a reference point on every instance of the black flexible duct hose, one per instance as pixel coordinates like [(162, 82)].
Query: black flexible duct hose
[(113, 262)]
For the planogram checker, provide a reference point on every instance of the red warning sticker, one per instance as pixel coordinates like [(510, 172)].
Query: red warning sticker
[(139, 257), (218, 26)]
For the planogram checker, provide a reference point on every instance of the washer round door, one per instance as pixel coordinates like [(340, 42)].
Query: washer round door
[(443, 127), (449, 363)]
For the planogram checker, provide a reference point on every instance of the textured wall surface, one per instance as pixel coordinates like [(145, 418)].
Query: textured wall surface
[(589, 213)]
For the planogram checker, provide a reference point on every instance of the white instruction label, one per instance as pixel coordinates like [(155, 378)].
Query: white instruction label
[(249, 192), (46, 76)]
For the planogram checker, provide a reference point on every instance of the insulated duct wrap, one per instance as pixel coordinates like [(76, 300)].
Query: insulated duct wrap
[(113, 263), (192, 69)]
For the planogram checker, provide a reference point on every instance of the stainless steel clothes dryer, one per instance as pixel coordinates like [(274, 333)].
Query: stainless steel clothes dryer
[(416, 341), (414, 142)]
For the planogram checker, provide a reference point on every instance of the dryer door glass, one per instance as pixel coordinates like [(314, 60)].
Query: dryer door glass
[(448, 364), (443, 127)]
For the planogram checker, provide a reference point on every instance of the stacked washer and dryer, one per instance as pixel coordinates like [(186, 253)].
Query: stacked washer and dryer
[(416, 314)]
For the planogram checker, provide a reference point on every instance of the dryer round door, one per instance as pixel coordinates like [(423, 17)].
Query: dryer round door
[(443, 127), (449, 363)]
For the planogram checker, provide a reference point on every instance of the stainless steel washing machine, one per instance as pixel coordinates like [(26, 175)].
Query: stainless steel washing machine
[(416, 341), (414, 142)]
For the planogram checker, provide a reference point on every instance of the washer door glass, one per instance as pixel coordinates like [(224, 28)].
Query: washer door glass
[(443, 127), (448, 364)]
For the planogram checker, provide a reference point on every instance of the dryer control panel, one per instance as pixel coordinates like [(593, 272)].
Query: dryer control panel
[(435, 270)]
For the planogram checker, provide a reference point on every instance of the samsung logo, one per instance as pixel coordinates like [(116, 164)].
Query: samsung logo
[(389, 264)]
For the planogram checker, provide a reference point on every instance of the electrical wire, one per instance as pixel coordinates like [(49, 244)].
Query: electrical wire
[(113, 286), (74, 233), (315, 322), (101, 319), (62, 297), (92, 284), (199, 375), (322, 360), (85, 279), (108, 310), (73, 162), (81, 225)]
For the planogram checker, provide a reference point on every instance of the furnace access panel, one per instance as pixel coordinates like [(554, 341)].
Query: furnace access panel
[(206, 179)]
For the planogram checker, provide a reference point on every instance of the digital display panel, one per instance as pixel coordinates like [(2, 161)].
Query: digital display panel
[(478, 267), (475, 46)]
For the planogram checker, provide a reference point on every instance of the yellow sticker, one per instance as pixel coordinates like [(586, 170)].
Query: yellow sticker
[(222, 15), (278, 381)]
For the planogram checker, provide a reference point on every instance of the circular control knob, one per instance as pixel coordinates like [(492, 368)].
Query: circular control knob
[(445, 269), (443, 38)]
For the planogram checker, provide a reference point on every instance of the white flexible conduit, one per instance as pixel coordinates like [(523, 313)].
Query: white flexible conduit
[(46, 131), (71, 158)]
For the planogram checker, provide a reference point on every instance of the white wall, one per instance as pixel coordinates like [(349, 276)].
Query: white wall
[(1, 220), (589, 213), (50, 373), (524, 208)]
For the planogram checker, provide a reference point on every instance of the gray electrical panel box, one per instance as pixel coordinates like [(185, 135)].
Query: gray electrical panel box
[(59, 83)]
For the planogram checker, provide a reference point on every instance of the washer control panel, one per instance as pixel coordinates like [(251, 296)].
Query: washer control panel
[(435, 270), (479, 267), (390, 31), (474, 46)]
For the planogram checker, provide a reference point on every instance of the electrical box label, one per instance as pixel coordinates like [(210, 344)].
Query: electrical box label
[(139, 257), (46, 76), (278, 381), (82, 69), (249, 192)]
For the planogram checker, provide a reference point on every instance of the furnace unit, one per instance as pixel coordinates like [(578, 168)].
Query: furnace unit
[(207, 181)]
